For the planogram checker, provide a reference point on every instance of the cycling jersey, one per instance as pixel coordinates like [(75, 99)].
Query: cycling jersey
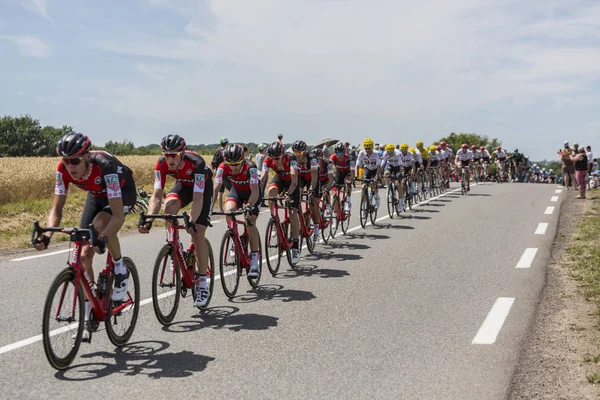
[(289, 163), (325, 168), (192, 173), (343, 164), (305, 168), (464, 155), (392, 160), (417, 157), (406, 160), (500, 155), (368, 162), (247, 176), (476, 155), (424, 154), (449, 153), (485, 155), (105, 179)]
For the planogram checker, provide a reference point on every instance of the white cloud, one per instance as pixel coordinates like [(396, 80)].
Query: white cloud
[(39, 7), (153, 71), (30, 45)]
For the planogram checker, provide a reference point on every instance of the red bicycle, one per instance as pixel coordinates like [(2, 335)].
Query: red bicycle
[(234, 256), (307, 228), (175, 270), (340, 215), (325, 216), (277, 235), (67, 309)]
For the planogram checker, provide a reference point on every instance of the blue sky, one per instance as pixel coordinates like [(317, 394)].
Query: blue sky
[(527, 72)]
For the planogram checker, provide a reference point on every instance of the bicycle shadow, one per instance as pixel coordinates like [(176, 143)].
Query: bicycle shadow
[(138, 358), (223, 317), (344, 245), (331, 255), (479, 194), (421, 216), (273, 292), (394, 226), (313, 270), (367, 235)]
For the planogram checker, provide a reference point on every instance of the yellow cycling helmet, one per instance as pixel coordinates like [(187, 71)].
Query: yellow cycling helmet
[(368, 143), (432, 147), (419, 144), (404, 146), (389, 147), (412, 150)]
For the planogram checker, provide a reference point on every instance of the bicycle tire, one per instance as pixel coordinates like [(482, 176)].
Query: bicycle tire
[(326, 230), (364, 209), (210, 276), (65, 277), (160, 268), (271, 232), (114, 337), (310, 241), (224, 251), (255, 281), (373, 210), (390, 200), (335, 217)]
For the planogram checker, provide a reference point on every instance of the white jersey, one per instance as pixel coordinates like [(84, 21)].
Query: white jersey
[(418, 157), (476, 154), (393, 160), (500, 154), (368, 162), (464, 155), (485, 154), (407, 160), (444, 154), (434, 156), (449, 152)]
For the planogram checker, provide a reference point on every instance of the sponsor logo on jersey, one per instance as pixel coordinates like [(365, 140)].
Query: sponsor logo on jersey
[(189, 172), (199, 181), (112, 185), (97, 180)]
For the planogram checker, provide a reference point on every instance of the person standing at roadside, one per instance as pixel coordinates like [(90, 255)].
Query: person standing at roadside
[(581, 170), (568, 167), (260, 157)]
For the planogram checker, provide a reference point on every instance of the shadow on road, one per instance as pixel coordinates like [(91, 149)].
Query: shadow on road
[(224, 317), (344, 245), (479, 194), (138, 358), (394, 226), (431, 211), (332, 255), (313, 270), (273, 292), (422, 216), (371, 236)]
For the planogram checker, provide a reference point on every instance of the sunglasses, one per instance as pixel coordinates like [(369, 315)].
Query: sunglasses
[(234, 163), (277, 158), (72, 161), (391, 153), (298, 153), (171, 155), (368, 148)]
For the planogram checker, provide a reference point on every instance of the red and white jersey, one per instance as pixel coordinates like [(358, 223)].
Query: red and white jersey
[(325, 169), (192, 172), (247, 176), (344, 164), (289, 163), (105, 178)]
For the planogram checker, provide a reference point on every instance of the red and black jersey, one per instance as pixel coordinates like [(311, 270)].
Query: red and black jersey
[(342, 164), (242, 181), (325, 168), (192, 172), (289, 162), (305, 168), (105, 178)]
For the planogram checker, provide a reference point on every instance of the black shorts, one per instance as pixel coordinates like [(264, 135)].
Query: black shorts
[(340, 178), (464, 163), (393, 170), (417, 164), (369, 173), (476, 160), (185, 195), (407, 170), (433, 163), (226, 185), (285, 185), (241, 198), (486, 160), (305, 185), (95, 205)]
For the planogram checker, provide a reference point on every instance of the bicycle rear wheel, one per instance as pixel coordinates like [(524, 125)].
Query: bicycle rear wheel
[(121, 316), (325, 215), (272, 247), (255, 281), (166, 285), (390, 200), (335, 217), (229, 265), (310, 227), (364, 209), (67, 310), (373, 210)]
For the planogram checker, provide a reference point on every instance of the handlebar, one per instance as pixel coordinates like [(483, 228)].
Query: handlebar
[(173, 218), (77, 234)]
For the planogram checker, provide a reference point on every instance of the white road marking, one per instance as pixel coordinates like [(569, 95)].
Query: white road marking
[(489, 330), (558, 191), (40, 255), (554, 198), (549, 210), (38, 338), (527, 258), (541, 229)]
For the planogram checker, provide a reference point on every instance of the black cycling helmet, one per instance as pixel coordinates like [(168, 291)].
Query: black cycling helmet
[(73, 144), (275, 149), (299, 145), (174, 143), (316, 152), (233, 153), (339, 148)]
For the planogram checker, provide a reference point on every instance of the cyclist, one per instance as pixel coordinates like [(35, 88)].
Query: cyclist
[(424, 154), (244, 193), (447, 157), (325, 177), (416, 181), (407, 161), (308, 173), (344, 172), (193, 185), (371, 163), (485, 159), (390, 163), (501, 159), (463, 158), (285, 181), (476, 160), (434, 160), (111, 195)]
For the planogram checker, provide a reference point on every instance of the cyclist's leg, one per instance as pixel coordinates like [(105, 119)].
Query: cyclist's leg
[(314, 201), (91, 209), (202, 222), (295, 207)]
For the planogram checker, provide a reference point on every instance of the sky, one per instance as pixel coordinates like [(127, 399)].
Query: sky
[(526, 72)]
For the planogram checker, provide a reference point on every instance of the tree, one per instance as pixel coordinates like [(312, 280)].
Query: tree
[(124, 148), (24, 137), (455, 140)]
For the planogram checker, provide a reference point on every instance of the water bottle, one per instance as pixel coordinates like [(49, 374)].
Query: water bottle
[(102, 279), (190, 259)]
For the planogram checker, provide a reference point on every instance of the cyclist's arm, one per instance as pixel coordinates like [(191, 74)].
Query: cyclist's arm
[(55, 215), (314, 179), (264, 175), (219, 197), (198, 196), (155, 201), (118, 217), (294, 183), (254, 193)]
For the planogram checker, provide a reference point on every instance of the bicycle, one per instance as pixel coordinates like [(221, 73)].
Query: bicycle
[(367, 204), (277, 235), (307, 229), (463, 181), (72, 282), (141, 204), (234, 254), (325, 216), (393, 201), (340, 215), (408, 196), (422, 185), (173, 278), (499, 172)]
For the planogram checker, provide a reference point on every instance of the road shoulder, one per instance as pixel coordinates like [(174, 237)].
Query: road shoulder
[(565, 329)]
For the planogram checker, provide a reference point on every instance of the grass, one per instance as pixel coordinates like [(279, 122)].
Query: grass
[(26, 195), (583, 251)]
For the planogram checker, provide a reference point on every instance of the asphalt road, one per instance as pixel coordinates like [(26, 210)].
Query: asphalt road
[(427, 307)]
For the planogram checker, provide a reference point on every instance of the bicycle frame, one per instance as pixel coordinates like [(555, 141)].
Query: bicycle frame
[(276, 205), (305, 209), (233, 225), (341, 192)]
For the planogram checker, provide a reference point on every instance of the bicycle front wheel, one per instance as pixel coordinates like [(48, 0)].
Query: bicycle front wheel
[(63, 314), (121, 316), (335, 213), (166, 285), (310, 227), (373, 210), (272, 247), (364, 209), (255, 281), (390, 200), (229, 265)]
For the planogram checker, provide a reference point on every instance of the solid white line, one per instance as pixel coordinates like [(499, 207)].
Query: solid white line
[(554, 198), (40, 255), (558, 191), (541, 229), (527, 258), (489, 330), (38, 338), (549, 210)]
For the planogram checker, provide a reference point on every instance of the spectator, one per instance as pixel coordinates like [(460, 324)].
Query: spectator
[(581, 168), (260, 157), (590, 157), (216, 161), (280, 139), (568, 167)]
